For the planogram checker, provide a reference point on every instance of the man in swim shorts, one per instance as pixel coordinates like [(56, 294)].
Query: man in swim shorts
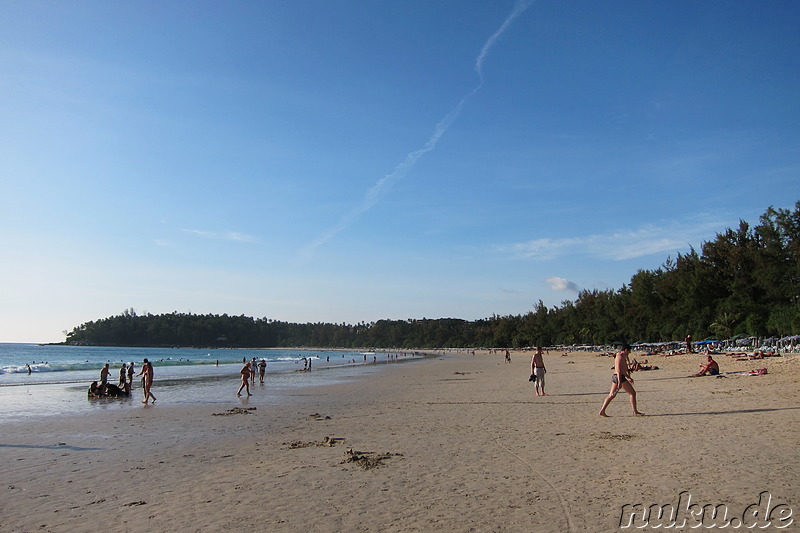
[(621, 379), (711, 368), (538, 371)]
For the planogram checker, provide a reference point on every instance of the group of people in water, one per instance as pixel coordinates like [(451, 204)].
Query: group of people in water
[(248, 373), (104, 389)]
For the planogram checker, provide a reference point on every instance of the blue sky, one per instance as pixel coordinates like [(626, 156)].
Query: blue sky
[(347, 161)]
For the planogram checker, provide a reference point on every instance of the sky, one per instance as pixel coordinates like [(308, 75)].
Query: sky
[(346, 161)]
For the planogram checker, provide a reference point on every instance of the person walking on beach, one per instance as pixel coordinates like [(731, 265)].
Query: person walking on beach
[(130, 374), (538, 370), (246, 372), (621, 379), (253, 367), (104, 375), (147, 380), (262, 369), (123, 375)]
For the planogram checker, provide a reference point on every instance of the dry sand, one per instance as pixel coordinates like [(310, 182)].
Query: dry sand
[(455, 444)]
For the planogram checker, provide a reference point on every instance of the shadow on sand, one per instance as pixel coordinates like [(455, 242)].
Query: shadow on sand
[(737, 411), (59, 446)]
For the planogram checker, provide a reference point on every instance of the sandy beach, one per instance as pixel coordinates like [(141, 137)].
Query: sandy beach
[(458, 443)]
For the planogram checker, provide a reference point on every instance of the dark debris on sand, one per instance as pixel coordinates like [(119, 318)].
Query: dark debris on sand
[(236, 411), (367, 460), (327, 441), (609, 436)]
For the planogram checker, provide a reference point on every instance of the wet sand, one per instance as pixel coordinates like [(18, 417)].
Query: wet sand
[(458, 443)]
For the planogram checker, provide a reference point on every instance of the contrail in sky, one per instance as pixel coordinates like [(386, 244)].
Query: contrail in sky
[(519, 8), (376, 191)]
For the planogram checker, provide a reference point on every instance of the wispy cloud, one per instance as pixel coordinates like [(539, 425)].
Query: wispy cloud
[(374, 194), (519, 7), (620, 245), (561, 284), (222, 236)]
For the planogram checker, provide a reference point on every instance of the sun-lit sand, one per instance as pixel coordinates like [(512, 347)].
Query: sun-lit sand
[(459, 443)]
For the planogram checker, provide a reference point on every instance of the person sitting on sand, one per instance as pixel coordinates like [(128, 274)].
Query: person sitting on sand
[(95, 391), (711, 368), (113, 391), (245, 372)]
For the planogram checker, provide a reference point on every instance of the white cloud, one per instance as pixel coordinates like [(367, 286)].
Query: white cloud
[(224, 236), (667, 238), (561, 284)]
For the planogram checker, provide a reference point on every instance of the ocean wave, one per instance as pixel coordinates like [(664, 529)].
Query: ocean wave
[(70, 367)]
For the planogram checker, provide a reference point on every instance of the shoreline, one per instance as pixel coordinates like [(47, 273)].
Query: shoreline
[(461, 441), (54, 394)]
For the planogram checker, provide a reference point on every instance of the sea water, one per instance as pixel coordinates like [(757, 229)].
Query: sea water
[(49, 380)]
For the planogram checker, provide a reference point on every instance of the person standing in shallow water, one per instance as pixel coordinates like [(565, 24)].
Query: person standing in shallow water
[(147, 381), (621, 379), (262, 369)]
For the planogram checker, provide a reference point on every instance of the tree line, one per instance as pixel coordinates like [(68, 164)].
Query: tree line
[(745, 281)]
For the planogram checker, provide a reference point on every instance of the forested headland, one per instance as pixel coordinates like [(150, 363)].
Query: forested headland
[(744, 281)]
